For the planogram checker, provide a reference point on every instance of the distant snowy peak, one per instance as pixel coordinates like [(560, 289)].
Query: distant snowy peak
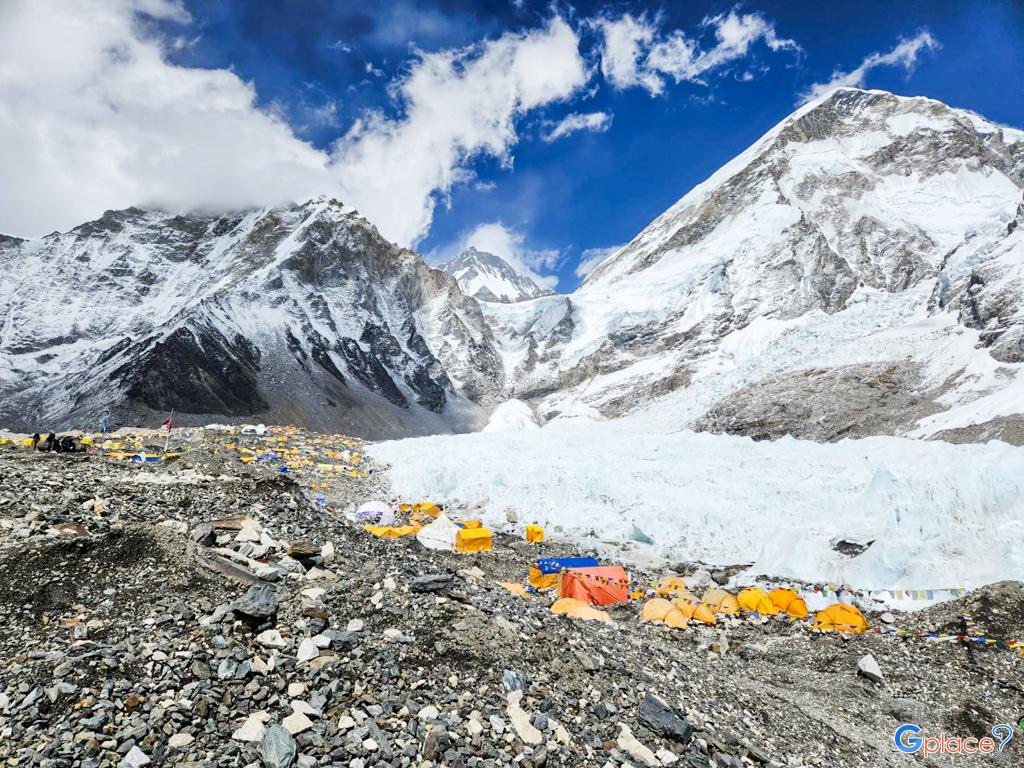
[(490, 278)]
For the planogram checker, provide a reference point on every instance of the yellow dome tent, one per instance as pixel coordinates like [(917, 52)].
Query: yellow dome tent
[(669, 586), (534, 534), (840, 617), (692, 608), (675, 618), (721, 602), (655, 609), (578, 609), (757, 600), (789, 602)]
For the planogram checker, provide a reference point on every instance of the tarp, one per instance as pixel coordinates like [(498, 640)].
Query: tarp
[(600, 585), (544, 572), (440, 534), (391, 532), (473, 540)]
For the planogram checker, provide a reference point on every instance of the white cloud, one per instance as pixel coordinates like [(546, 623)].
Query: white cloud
[(595, 122), (457, 104), (591, 257), (636, 53), (904, 54), (497, 238), (624, 40), (94, 116)]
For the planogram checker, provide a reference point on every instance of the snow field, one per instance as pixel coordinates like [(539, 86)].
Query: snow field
[(940, 515)]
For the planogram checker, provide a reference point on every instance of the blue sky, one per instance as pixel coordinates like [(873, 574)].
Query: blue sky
[(649, 124)]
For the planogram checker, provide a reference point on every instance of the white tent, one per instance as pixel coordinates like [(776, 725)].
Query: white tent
[(440, 534), (374, 513)]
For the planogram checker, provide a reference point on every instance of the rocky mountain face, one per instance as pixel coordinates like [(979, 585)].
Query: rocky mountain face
[(490, 278), (859, 270), (302, 314)]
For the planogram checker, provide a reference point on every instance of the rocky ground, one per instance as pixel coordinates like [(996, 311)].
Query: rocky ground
[(201, 612)]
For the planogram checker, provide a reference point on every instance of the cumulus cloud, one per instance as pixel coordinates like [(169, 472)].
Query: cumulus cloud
[(95, 116), (635, 52), (457, 104), (595, 122), (624, 41), (904, 54), (591, 257), (510, 244)]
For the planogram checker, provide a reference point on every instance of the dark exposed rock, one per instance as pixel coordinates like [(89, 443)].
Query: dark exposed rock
[(431, 582), (656, 715), (259, 602)]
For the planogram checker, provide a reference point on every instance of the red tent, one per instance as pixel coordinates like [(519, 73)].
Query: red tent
[(600, 585)]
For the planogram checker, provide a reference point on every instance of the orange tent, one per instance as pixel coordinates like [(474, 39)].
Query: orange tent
[(840, 617), (602, 585), (789, 602)]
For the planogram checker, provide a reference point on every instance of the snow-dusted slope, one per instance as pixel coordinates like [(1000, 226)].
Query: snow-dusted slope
[(859, 270), (301, 314), (490, 278)]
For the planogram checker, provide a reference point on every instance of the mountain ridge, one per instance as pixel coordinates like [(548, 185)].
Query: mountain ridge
[(862, 216), (301, 313), (858, 270), (488, 277)]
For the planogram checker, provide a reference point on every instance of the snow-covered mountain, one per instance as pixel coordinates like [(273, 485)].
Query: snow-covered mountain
[(301, 314), (858, 270), (490, 278)]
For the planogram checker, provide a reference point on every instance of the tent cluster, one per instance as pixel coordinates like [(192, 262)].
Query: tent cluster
[(137, 448), (676, 605), (294, 451), (583, 581), (431, 526)]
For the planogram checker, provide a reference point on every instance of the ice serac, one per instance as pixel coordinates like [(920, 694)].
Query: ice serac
[(490, 278), (301, 314), (858, 270)]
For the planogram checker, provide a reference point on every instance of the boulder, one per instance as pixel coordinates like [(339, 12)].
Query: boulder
[(260, 602), (433, 582), (661, 719), (277, 748)]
